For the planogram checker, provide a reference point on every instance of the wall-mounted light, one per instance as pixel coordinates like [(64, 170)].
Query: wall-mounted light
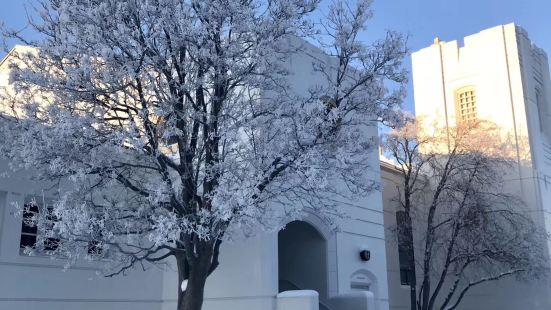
[(365, 255)]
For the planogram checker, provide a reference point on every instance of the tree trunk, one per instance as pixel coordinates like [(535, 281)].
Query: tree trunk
[(426, 289), (183, 268), (196, 276), (411, 256), (405, 235)]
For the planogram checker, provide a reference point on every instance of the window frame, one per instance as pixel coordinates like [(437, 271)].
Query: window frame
[(467, 96), (32, 207), (29, 209)]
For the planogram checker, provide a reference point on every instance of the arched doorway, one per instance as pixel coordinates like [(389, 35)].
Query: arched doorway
[(302, 259)]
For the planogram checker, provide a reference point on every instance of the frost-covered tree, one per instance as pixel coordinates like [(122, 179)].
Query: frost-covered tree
[(462, 222), (169, 123)]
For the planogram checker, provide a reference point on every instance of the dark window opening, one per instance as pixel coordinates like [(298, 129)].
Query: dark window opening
[(29, 231), (29, 228), (95, 248), (51, 244), (405, 247), (95, 245)]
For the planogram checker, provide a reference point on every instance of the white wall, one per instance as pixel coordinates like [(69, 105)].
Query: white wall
[(503, 66), (247, 277), (41, 283), (500, 63)]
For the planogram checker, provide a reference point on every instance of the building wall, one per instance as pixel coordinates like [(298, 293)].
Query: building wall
[(390, 181), (504, 68), (247, 277), (483, 297), (500, 63), (536, 87), (505, 294), (38, 282)]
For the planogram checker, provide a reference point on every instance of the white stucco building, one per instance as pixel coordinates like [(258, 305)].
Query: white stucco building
[(498, 72), (307, 255), (497, 75)]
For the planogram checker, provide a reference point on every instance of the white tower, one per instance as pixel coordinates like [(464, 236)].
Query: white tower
[(497, 75)]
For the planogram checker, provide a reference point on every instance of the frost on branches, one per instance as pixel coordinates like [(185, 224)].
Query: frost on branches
[(169, 122)]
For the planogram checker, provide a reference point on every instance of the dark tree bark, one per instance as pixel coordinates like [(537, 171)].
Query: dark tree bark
[(183, 267), (413, 281), (193, 296), (195, 266)]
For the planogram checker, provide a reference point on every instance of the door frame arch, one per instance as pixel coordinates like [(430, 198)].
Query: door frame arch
[(331, 258)]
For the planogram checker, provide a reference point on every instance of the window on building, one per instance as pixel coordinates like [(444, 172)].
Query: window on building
[(404, 247), (29, 228), (29, 231), (95, 248), (51, 244), (465, 104), (541, 108)]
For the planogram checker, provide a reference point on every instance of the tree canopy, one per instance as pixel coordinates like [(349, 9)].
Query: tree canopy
[(169, 122)]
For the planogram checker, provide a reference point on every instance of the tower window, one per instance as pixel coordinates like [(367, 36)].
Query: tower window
[(465, 104)]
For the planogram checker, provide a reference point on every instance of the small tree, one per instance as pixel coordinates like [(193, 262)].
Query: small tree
[(170, 122), (464, 226)]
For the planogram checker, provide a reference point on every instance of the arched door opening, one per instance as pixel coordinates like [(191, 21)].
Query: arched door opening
[(302, 259)]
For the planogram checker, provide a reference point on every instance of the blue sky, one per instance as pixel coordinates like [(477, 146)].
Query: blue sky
[(421, 20)]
